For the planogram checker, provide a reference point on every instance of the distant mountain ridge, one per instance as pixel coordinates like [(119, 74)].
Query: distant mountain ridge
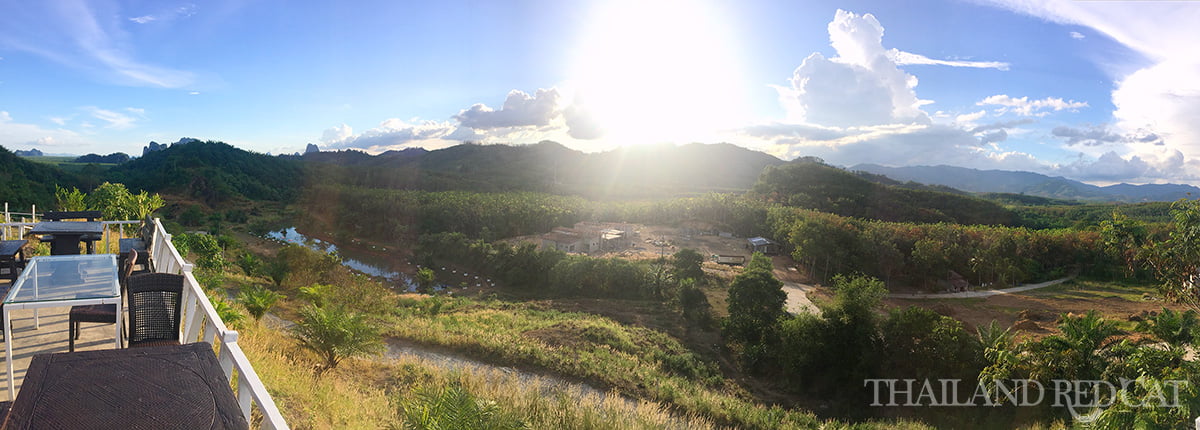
[(1029, 183), (644, 170)]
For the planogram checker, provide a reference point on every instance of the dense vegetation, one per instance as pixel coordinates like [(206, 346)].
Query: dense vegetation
[(212, 172), (858, 234), (812, 185), (550, 168), (27, 183), (114, 158)]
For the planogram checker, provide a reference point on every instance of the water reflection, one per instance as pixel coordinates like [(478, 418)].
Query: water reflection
[(363, 262)]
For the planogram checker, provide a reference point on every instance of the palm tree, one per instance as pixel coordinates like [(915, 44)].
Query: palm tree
[(258, 300), (335, 333)]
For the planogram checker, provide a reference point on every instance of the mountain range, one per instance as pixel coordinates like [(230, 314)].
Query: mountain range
[(1029, 183)]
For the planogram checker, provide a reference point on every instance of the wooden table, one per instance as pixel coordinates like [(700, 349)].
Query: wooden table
[(68, 234), (11, 253), (167, 387)]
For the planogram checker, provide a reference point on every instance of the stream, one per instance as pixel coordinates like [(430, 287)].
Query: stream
[(365, 262)]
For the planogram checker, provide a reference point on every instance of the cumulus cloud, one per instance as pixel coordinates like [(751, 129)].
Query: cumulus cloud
[(1026, 107), (861, 86), (993, 136), (1077, 35), (1096, 136), (337, 134), (581, 123), (397, 134), (519, 109), (1162, 95), (906, 58), (969, 118)]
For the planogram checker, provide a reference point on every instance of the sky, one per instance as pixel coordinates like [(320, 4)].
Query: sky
[(1098, 91)]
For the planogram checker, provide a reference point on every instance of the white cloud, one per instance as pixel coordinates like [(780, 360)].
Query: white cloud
[(969, 118), (115, 120), (1162, 96), (1096, 136), (862, 86), (1077, 35), (581, 123), (519, 110), (86, 36), (906, 58), (1026, 107), (337, 134), (15, 135), (397, 134), (166, 15)]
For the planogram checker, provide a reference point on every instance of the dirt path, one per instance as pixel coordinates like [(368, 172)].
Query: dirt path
[(797, 298), (983, 293)]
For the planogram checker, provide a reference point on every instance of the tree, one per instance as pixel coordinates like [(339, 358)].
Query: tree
[(425, 280), (112, 200), (1176, 260), (69, 200), (335, 333), (1123, 239), (756, 304), (687, 264), (258, 300), (1177, 329), (250, 264)]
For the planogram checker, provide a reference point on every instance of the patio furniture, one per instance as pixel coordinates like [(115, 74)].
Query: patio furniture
[(141, 244), (154, 308), (105, 314), (61, 280), (176, 387), (66, 215), (66, 235), (12, 256)]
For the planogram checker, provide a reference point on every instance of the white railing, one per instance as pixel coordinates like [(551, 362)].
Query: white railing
[(201, 323)]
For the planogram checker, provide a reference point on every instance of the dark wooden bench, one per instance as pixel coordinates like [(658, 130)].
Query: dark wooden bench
[(69, 215), (74, 215), (12, 256)]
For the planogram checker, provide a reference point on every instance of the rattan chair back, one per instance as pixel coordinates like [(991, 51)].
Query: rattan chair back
[(154, 308)]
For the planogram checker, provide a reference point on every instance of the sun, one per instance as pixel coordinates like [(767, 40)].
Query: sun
[(658, 71)]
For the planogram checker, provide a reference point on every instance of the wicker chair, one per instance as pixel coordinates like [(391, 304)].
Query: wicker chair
[(105, 314), (154, 308)]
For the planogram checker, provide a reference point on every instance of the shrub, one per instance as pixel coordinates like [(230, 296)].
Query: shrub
[(258, 300), (335, 333)]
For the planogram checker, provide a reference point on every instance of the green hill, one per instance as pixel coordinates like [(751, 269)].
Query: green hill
[(814, 185), (24, 183), (212, 172), (633, 172)]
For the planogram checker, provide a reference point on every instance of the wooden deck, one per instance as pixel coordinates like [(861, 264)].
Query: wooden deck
[(49, 338)]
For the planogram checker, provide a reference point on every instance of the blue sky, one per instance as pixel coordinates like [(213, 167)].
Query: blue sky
[(1104, 91)]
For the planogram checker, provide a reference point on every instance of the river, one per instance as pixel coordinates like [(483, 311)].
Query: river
[(368, 263)]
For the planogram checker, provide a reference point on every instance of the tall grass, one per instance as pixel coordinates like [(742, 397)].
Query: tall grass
[(633, 360), (373, 393)]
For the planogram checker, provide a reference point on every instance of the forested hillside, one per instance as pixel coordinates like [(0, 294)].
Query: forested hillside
[(813, 185), (645, 171), (212, 172), (24, 183)]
